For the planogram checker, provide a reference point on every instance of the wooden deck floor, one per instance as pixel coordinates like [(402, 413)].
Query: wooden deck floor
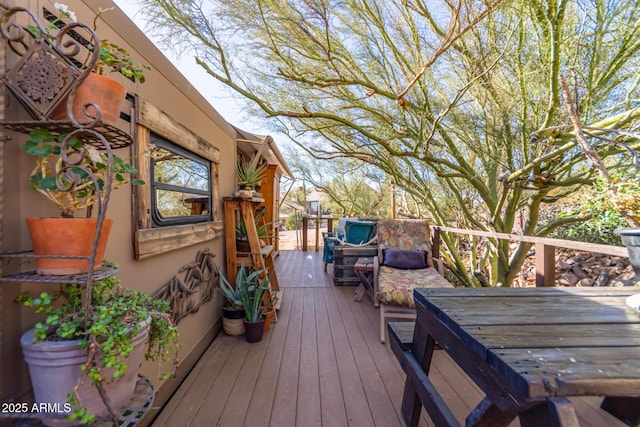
[(322, 364)]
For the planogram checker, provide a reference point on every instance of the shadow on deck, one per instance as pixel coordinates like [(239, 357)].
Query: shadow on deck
[(322, 364)]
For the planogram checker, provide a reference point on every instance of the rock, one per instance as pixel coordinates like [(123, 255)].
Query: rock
[(603, 278), (568, 279), (586, 282), (625, 279), (578, 272), (563, 265)]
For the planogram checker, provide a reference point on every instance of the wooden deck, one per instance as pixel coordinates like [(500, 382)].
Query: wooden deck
[(322, 364)]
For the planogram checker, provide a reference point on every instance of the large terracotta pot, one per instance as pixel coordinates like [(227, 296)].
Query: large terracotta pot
[(102, 91), (54, 368), (66, 236)]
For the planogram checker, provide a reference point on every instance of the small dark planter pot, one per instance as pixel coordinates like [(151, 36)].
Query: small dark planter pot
[(242, 245), (255, 330), (631, 239)]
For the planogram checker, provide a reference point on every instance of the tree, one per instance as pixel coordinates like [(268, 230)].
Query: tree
[(456, 101), (352, 187)]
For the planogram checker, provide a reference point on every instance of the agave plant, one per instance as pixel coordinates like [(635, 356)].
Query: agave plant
[(251, 288), (250, 173)]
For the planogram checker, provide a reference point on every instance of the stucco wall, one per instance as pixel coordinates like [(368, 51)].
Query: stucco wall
[(169, 91)]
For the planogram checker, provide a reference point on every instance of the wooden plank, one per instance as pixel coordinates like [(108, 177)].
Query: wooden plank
[(524, 336), (215, 400), (154, 241), (425, 293), (545, 265), (161, 123), (286, 396), (353, 392), (467, 311), (141, 193), (381, 408), (237, 403), (331, 398), (183, 406), (572, 371), (308, 411), (262, 399)]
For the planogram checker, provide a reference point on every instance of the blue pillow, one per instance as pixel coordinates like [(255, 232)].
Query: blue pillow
[(404, 259)]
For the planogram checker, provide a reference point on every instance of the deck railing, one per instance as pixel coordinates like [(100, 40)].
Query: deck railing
[(545, 247)]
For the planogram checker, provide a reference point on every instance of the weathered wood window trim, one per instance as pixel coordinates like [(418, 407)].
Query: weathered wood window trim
[(148, 240)]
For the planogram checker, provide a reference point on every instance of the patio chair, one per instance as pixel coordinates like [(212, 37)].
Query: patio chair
[(356, 233), (403, 263)]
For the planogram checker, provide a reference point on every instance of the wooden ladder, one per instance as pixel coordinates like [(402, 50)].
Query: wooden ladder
[(260, 258)]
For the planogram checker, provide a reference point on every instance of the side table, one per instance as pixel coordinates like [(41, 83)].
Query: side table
[(364, 269)]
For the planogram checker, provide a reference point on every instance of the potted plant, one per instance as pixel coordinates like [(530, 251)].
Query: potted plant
[(251, 288), (250, 174), (232, 310), (264, 230), (86, 358), (73, 185), (97, 89)]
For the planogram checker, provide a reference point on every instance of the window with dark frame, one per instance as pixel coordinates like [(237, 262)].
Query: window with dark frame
[(181, 187)]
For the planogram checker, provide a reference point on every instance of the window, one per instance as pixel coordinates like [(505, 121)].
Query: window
[(180, 185), (175, 207)]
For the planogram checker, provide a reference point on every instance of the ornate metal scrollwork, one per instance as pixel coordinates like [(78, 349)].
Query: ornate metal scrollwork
[(51, 66)]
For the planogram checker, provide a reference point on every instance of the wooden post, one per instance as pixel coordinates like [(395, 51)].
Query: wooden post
[(545, 265), (317, 246), (305, 222), (435, 243), (329, 225)]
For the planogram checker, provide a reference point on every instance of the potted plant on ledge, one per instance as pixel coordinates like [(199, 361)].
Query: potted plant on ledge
[(73, 185), (103, 58), (250, 174), (88, 364)]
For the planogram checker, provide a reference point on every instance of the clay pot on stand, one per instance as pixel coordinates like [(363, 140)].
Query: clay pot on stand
[(96, 89), (54, 368), (69, 237)]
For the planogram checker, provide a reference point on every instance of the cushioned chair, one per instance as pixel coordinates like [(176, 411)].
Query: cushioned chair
[(403, 263), (356, 233)]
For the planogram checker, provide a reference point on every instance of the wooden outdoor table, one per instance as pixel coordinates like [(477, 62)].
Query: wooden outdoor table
[(364, 269), (528, 350)]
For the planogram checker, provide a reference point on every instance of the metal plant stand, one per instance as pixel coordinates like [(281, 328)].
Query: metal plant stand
[(49, 71)]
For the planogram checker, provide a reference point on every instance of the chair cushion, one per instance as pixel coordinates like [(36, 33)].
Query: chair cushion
[(395, 286), (358, 232), (404, 259)]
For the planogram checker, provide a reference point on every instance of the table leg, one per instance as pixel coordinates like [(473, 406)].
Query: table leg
[(487, 414), (553, 412), (423, 346), (626, 409)]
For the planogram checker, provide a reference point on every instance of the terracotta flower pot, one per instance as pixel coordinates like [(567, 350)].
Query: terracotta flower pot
[(255, 330), (54, 368), (268, 318), (102, 91), (66, 236)]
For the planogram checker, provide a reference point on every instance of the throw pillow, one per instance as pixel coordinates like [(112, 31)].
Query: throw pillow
[(404, 259)]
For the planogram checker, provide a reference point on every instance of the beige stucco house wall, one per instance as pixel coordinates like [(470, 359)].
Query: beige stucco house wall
[(167, 90)]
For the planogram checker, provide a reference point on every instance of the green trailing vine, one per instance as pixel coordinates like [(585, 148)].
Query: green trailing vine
[(116, 317)]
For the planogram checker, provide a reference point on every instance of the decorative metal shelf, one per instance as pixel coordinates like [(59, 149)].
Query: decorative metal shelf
[(130, 415), (117, 137), (107, 270)]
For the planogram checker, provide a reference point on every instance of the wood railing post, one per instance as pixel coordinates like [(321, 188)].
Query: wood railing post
[(435, 243), (329, 225), (305, 223), (317, 246), (545, 265)]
